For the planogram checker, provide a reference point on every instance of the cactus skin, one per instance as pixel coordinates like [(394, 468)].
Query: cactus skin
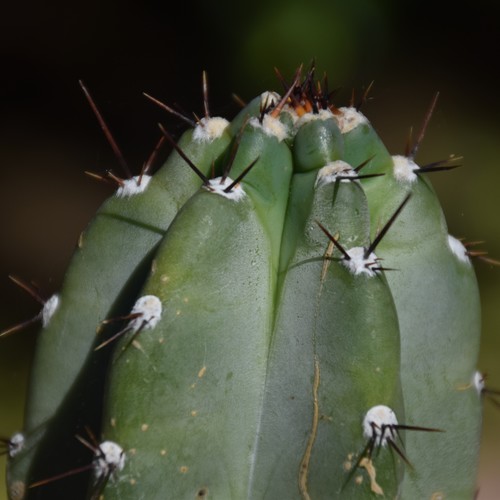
[(320, 305), (104, 276), (224, 243), (440, 329), (255, 373)]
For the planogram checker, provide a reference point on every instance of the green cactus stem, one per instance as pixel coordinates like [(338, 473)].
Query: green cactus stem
[(106, 272), (280, 313), (440, 329)]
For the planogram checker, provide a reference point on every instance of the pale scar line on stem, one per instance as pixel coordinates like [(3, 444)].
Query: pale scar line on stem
[(304, 464)]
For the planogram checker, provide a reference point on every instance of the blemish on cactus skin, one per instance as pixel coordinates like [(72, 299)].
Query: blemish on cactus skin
[(304, 464), (404, 169), (112, 422), (209, 129), (163, 453), (327, 261), (132, 482), (437, 496), (347, 465), (350, 118), (202, 372), (202, 493), (458, 249), (194, 413), (137, 345), (367, 464), (144, 427), (358, 480), (183, 469), (133, 186), (49, 309)]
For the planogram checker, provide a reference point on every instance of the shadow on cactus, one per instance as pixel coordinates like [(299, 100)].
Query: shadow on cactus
[(280, 313)]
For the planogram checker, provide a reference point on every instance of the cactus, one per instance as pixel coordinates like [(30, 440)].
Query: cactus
[(280, 313)]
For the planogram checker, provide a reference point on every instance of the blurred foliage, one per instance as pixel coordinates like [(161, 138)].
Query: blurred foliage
[(48, 136)]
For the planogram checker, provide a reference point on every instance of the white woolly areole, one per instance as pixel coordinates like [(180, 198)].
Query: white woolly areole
[(331, 171), (149, 308), (458, 249), (358, 264), (49, 308), (323, 114), (209, 129), (108, 459), (478, 382), (218, 185), (379, 422), (16, 444), (349, 119), (133, 186), (404, 169), (269, 98), (271, 126)]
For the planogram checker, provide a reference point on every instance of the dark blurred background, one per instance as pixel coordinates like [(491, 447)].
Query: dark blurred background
[(48, 135)]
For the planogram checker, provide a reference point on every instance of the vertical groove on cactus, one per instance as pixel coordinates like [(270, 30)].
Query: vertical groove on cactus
[(277, 312)]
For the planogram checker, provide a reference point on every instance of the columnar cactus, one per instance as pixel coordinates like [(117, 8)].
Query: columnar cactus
[(280, 313)]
